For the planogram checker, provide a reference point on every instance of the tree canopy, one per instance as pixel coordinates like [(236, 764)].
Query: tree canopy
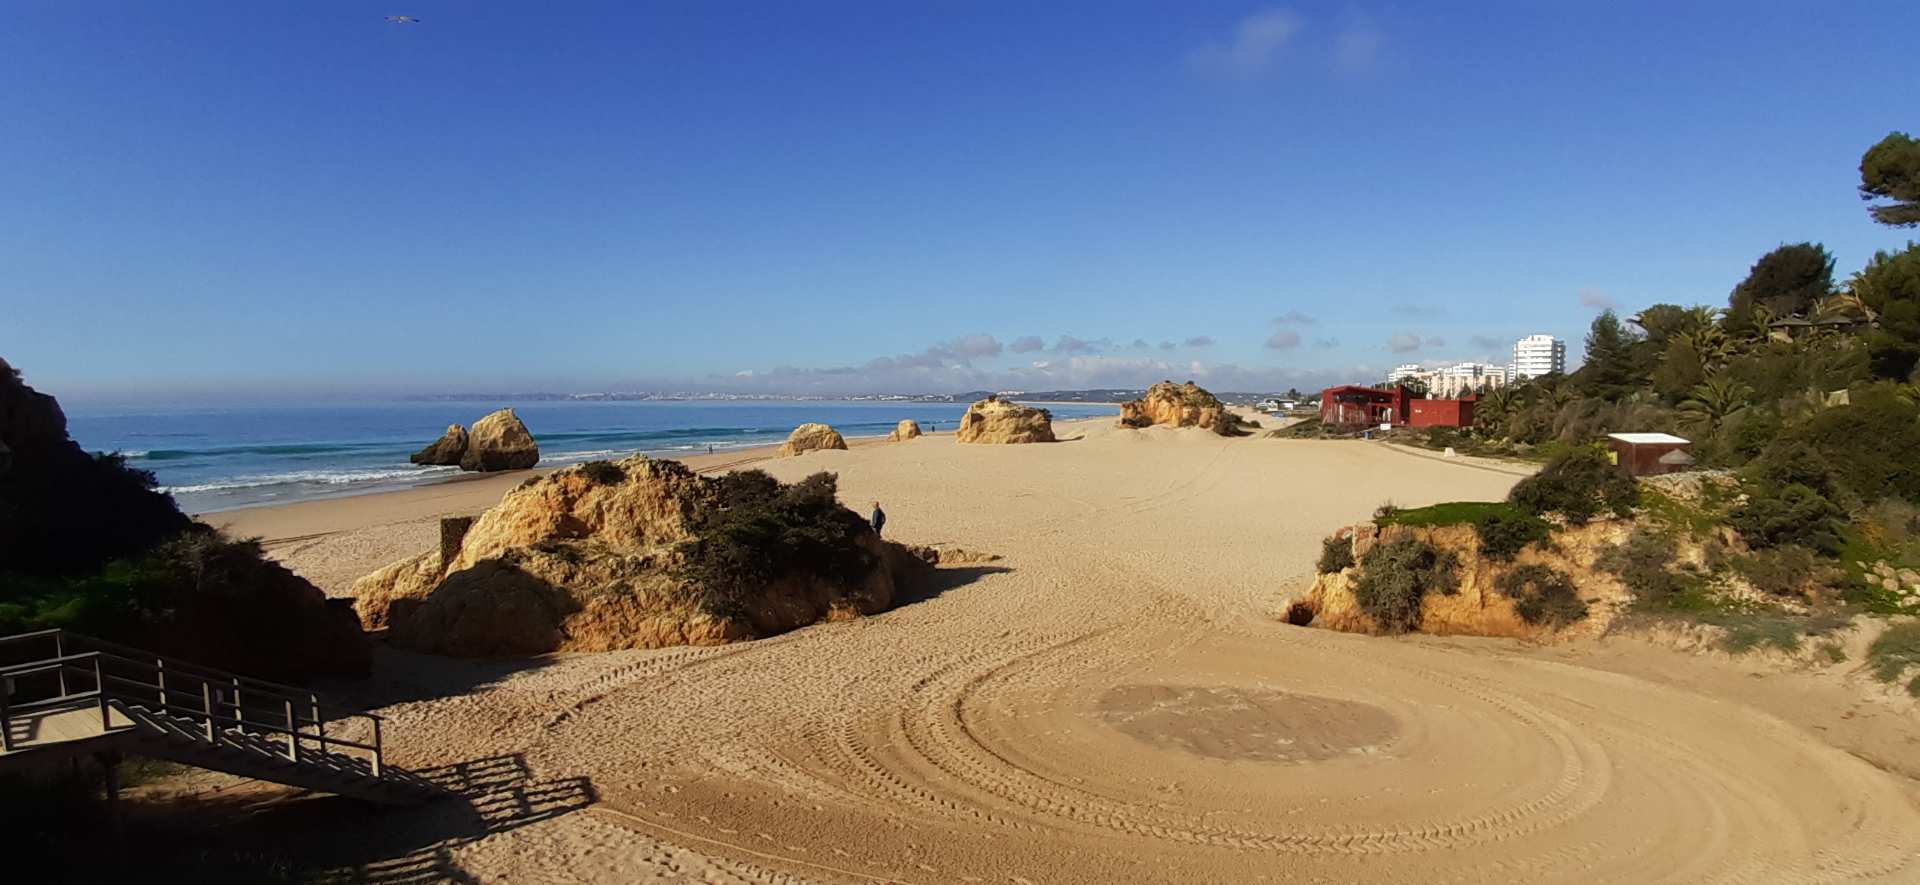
[(1613, 364), (1891, 170), (1788, 281)]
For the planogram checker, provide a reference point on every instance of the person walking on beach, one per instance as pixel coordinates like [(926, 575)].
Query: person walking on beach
[(879, 519)]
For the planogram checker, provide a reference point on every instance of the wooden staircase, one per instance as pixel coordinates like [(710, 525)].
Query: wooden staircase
[(78, 695)]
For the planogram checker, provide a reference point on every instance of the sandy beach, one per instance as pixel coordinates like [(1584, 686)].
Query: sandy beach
[(1113, 700)]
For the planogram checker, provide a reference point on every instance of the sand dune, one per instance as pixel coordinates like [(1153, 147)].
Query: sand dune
[(1114, 701)]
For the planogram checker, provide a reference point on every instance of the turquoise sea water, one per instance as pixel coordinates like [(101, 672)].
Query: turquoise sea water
[(223, 458)]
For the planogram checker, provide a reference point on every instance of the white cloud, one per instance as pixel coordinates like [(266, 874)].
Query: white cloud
[(1405, 342), (1294, 318), (1070, 344), (1200, 341), (1141, 344), (1027, 344), (1168, 345), (1284, 339), (1597, 300), (1257, 40)]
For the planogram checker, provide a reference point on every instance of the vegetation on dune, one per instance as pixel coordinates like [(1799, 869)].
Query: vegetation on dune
[(763, 528), (1895, 652), (1542, 595), (1577, 485), (1336, 554), (1397, 575)]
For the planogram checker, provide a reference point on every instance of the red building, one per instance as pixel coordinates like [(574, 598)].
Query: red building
[(1355, 406), (1441, 412)]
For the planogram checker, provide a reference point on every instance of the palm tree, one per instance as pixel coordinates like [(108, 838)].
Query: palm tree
[(1494, 406), (1711, 343), (1714, 400), (1845, 303)]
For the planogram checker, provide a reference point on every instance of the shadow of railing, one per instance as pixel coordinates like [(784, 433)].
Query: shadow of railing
[(331, 839), (487, 797)]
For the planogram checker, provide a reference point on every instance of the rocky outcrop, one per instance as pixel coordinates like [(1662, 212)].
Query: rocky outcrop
[(188, 591), (810, 437), (994, 420), (1179, 405), (64, 512), (499, 442), (905, 430), (1478, 604), (445, 451), (622, 555)]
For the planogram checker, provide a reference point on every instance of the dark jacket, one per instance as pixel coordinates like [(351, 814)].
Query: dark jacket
[(879, 520)]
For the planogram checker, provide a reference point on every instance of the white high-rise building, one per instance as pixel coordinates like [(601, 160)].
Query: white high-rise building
[(1461, 379), (1408, 372), (1537, 355)]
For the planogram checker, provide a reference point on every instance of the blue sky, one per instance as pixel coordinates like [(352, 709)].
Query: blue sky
[(247, 199)]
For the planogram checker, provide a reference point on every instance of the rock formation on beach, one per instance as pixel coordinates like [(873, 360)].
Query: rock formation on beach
[(810, 436), (499, 442), (637, 554), (905, 430), (994, 420), (1545, 590), (87, 544), (445, 451), (1179, 405)]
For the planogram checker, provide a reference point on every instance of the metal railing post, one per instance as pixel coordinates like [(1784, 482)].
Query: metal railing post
[(376, 748), (239, 714), (293, 734), (100, 688), (319, 723), (206, 701), (60, 651), (6, 717), (160, 676)]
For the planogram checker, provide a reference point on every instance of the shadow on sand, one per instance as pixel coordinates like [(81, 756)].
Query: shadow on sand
[(933, 582), (262, 833)]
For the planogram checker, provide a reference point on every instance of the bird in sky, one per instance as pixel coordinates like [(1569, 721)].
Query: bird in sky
[(403, 19)]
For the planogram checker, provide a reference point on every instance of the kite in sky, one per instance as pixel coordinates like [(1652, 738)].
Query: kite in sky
[(403, 19)]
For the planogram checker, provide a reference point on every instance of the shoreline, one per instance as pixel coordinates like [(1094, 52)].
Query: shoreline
[(312, 519)]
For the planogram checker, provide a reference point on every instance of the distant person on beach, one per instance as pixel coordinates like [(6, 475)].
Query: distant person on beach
[(879, 518)]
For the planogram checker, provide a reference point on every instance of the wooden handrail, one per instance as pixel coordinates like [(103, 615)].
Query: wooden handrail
[(141, 656), (285, 698)]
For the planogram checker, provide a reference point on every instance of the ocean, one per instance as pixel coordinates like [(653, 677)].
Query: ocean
[(212, 458)]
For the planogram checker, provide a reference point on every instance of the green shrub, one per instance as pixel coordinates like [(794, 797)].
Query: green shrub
[(1444, 438), (604, 473), (1857, 454), (1642, 562), (1396, 575), (763, 529), (1745, 634), (1578, 485), (1783, 571), (1776, 516), (1449, 513), (1336, 554), (1542, 595), (1894, 651), (1504, 534)]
